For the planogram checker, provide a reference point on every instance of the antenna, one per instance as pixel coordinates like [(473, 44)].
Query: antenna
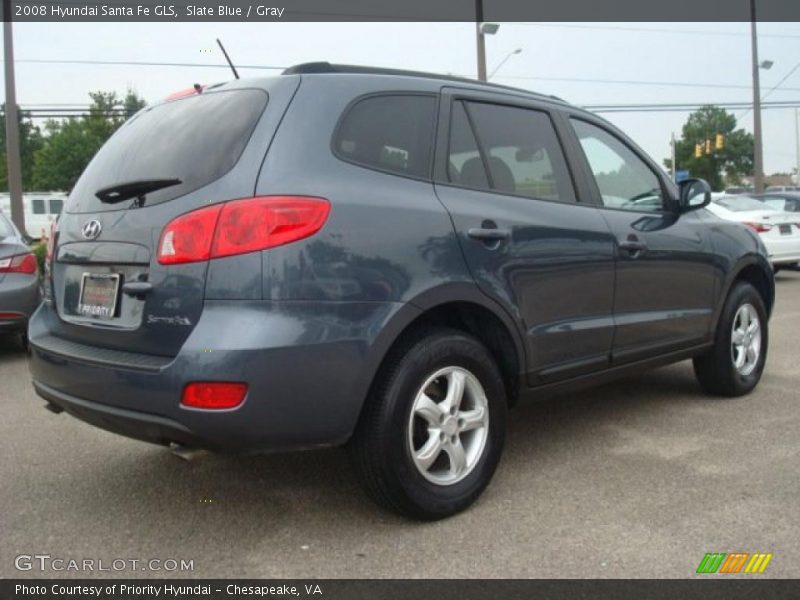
[(228, 58)]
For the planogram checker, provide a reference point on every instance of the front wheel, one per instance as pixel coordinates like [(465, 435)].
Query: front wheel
[(433, 429), (735, 363)]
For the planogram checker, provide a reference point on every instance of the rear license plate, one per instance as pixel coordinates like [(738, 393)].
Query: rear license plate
[(785, 229), (99, 295)]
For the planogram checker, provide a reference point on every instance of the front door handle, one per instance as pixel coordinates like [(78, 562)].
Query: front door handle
[(633, 246)]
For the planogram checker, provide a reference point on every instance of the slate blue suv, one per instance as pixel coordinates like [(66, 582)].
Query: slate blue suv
[(381, 259)]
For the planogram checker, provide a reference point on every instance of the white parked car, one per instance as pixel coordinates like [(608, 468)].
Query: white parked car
[(779, 230), (41, 209)]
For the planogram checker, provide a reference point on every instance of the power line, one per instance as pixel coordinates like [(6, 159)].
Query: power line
[(51, 112), (638, 82), (773, 88), (280, 68), (136, 63), (652, 30)]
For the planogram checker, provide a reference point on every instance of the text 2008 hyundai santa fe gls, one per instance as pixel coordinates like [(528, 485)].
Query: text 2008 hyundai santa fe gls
[(382, 259)]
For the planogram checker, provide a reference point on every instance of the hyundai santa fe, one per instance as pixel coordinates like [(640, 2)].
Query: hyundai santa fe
[(385, 260)]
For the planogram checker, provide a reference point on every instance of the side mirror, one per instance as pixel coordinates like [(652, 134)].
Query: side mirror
[(694, 194)]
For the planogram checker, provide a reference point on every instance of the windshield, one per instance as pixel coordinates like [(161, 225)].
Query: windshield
[(741, 203), (195, 140)]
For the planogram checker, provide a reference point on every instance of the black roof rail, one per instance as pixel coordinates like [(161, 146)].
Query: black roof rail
[(326, 67)]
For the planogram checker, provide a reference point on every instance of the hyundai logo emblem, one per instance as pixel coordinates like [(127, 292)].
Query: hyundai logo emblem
[(92, 229)]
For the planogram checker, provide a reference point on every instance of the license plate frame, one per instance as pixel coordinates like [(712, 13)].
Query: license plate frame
[(106, 309), (785, 229)]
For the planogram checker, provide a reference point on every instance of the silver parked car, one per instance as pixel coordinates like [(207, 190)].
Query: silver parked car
[(19, 280)]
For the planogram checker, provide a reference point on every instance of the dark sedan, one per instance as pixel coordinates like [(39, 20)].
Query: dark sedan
[(19, 280)]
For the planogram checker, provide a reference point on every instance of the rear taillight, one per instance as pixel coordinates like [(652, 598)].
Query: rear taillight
[(214, 395), (11, 316), (759, 227), (188, 238), (241, 226), (23, 263)]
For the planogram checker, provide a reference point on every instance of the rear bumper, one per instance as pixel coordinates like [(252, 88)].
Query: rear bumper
[(783, 250), (137, 425), (307, 365)]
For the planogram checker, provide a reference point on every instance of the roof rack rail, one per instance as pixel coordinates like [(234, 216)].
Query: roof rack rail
[(326, 67)]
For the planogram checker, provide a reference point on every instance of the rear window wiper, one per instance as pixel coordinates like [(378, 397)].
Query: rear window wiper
[(133, 189)]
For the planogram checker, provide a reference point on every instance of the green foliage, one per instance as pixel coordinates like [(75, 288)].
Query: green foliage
[(71, 144), (734, 160), (40, 252), (30, 140)]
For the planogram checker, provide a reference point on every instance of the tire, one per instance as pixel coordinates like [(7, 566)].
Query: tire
[(23, 341), (392, 428), (718, 371)]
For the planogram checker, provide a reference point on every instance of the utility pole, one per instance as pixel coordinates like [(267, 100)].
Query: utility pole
[(797, 145), (481, 40), (674, 166), (14, 170), (758, 153)]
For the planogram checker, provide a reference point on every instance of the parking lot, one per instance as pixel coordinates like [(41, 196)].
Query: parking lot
[(639, 478)]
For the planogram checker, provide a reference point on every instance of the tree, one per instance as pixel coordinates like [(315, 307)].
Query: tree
[(734, 159), (30, 140), (71, 144)]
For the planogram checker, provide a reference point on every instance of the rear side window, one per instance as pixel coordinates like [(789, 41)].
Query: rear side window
[(389, 132), (196, 140), (518, 152)]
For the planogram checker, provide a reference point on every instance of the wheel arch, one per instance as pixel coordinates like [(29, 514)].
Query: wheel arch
[(459, 306), (757, 271)]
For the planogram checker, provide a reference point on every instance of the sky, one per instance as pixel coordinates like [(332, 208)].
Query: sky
[(619, 63)]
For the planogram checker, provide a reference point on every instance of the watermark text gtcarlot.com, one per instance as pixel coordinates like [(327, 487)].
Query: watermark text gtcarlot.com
[(45, 562)]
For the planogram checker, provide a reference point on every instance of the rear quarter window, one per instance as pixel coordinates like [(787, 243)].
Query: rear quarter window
[(196, 140), (392, 133)]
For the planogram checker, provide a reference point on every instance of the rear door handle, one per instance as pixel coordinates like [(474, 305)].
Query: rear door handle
[(493, 234)]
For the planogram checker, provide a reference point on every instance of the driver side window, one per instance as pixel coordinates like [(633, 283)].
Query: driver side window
[(625, 181)]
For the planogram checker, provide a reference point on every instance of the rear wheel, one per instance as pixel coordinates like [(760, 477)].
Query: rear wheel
[(734, 365), (432, 431)]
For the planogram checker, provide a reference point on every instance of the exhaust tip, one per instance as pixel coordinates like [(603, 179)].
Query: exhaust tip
[(54, 408), (185, 452)]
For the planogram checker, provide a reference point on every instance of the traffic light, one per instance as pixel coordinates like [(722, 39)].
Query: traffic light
[(719, 142), (708, 146), (698, 150)]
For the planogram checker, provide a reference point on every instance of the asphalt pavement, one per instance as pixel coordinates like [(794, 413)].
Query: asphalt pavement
[(639, 478)]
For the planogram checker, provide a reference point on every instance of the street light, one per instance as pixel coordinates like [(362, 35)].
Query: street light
[(481, 31), (758, 148), (502, 62)]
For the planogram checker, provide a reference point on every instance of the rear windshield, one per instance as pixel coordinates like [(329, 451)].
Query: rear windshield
[(196, 140), (741, 203)]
